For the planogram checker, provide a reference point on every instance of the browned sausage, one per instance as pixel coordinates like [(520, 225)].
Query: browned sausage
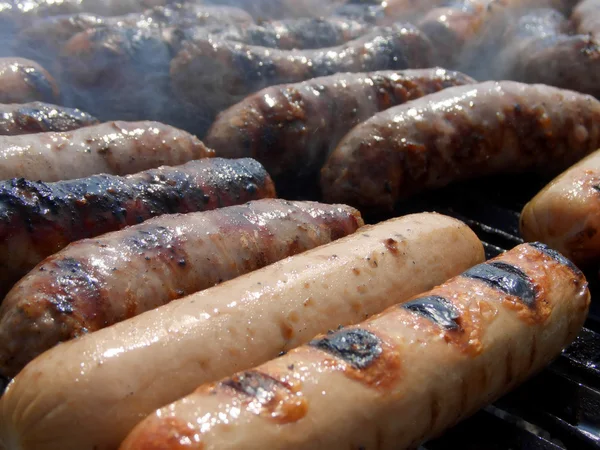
[(38, 117), (586, 17), (38, 219), (23, 81), (457, 134), (396, 379)]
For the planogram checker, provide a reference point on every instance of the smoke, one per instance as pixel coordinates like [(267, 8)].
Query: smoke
[(113, 58)]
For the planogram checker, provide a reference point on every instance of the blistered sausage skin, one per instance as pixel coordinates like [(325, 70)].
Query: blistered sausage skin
[(396, 379), (115, 148), (95, 283), (130, 370), (586, 17), (566, 214), (292, 128), (538, 50), (38, 219), (216, 74), (457, 134), (23, 81), (38, 117)]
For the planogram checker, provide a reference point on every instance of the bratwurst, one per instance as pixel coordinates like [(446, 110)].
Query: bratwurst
[(115, 148), (95, 283), (38, 117), (460, 133), (38, 219), (139, 365), (397, 379)]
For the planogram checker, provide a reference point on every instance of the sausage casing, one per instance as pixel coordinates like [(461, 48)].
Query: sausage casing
[(38, 117), (396, 379), (131, 370), (38, 219), (460, 133), (566, 214), (24, 81), (116, 148), (586, 17)]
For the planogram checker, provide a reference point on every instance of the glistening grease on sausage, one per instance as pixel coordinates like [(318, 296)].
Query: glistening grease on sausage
[(130, 368), (399, 378)]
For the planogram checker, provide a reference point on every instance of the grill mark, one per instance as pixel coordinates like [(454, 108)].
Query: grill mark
[(267, 396), (558, 257), (360, 348), (506, 278), (437, 309)]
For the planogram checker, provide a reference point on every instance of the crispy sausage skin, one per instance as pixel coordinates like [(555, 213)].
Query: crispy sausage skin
[(586, 17), (95, 283), (38, 117), (292, 128), (217, 74), (38, 219), (130, 368), (396, 379), (115, 148), (566, 214), (460, 133), (23, 81)]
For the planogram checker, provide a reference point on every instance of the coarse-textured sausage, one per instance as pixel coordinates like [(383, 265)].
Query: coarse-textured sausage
[(38, 117), (292, 128), (116, 148), (95, 283), (216, 74), (23, 81), (139, 365), (566, 214), (539, 51), (457, 134), (396, 379), (38, 219), (586, 17)]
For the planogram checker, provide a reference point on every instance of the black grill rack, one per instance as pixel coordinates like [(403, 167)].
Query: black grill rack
[(560, 407)]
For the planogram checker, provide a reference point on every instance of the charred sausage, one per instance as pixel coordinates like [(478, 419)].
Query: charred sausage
[(77, 290), (116, 148), (38, 117), (586, 17), (23, 81), (292, 128), (538, 51), (216, 74), (38, 219), (566, 213), (139, 365), (457, 134), (396, 379)]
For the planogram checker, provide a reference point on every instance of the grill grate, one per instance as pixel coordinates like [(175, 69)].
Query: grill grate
[(559, 408)]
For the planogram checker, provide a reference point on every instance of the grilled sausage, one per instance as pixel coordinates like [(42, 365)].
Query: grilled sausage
[(77, 290), (38, 117), (538, 51), (586, 17), (457, 134), (134, 367), (292, 128), (217, 74), (397, 379), (566, 214), (279, 9), (38, 219), (117, 148), (22, 81)]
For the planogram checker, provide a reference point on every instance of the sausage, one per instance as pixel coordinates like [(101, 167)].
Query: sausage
[(586, 17), (292, 128), (23, 81), (386, 12), (396, 379), (38, 117), (279, 9), (117, 148), (95, 283), (217, 74), (139, 365), (457, 134), (538, 51), (38, 219), (566, 214)]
